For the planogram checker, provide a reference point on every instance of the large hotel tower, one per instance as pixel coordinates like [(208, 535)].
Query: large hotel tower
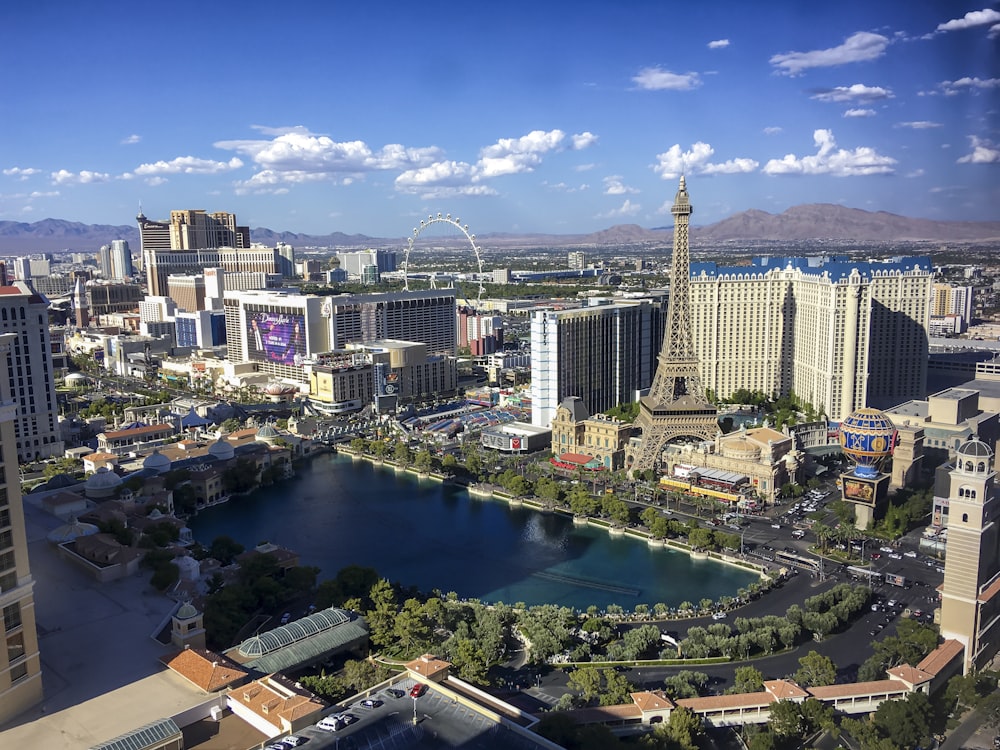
[(193, 240), (839, 334), (20, 664)]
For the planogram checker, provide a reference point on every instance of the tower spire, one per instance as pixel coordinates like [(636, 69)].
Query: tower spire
[(676, 407)]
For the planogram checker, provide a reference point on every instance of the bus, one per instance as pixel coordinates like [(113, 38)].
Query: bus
[(692, 488)]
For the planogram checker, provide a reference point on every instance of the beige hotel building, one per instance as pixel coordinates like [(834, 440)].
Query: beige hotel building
[(840, 335)]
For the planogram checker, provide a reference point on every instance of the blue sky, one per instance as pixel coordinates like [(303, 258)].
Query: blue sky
[(515, 116)]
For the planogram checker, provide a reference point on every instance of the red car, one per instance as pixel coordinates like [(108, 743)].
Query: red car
[(417, 690)]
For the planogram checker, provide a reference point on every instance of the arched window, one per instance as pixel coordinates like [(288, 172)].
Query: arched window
[(5, 313), (965, 518), (982, 466), (968, 465)]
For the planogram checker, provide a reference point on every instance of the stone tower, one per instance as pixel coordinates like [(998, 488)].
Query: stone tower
[(970, 595), (676, 407)]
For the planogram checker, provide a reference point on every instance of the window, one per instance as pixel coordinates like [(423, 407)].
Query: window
[(12, 616)]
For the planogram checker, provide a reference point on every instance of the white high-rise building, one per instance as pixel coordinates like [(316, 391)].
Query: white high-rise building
[(604, 354), (840, 335), (24, 312)]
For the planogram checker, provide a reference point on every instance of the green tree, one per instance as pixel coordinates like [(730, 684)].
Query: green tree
[(330, 687), (382, 615), (786, 719), (905, 722), (412, 630), (402, 453), (747, 680), (586, 681), (816, 670), (684, 727), (616, 688), (423, 461)]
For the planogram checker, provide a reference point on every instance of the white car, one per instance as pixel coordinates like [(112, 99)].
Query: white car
[(885, 549), (911, 553), (329, 724), (894, 556), (719, 616)]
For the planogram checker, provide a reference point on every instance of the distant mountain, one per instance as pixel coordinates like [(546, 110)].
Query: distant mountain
[(820, 221), (825, 221)]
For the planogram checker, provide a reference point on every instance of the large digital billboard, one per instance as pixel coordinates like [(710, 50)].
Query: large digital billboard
[(276, 337), (859, 491)]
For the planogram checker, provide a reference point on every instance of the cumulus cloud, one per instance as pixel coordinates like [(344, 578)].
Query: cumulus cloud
[(22, 173), (83, 177), (830, 160), (859, 47), (857, 92), (964, 85), (718, 44), (971, 20), (297, 151), (613, 185), (154, 181), (859, 113), (658, 79), (33, 194), (628, 208), (129, 140), (983, 152), (919, 125), (188, 165), (505, 157), (673, 162)]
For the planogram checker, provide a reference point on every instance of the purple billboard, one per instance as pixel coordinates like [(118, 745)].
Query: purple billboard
[(276, 337)]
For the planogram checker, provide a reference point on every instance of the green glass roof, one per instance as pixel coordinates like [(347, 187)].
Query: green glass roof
[(293, 632), (148, 736)]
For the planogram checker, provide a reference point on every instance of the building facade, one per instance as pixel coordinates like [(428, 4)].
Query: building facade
[(29, 375), (840, 335), (605, 354), (20, 662), (601, 437), (970, 594)]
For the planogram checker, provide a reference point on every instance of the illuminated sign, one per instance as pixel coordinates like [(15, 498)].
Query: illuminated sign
[(858, 491), (276, 337)]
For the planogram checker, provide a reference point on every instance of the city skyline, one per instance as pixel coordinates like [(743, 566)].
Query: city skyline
[(536, 119)]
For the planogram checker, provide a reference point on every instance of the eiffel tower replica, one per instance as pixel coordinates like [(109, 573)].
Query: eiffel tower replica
[(676, 407)]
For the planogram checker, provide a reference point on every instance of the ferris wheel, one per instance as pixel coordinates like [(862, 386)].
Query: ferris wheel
[(464, 229)]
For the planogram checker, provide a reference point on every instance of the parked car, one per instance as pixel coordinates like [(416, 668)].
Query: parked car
[(394, 692), (294, 740), (329, 724), (371, 703), (417, 690)]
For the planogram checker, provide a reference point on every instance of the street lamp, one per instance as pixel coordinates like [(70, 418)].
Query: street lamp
[(742, 532)]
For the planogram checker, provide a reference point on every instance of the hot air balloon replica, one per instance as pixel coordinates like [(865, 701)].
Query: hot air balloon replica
[(867, 437)]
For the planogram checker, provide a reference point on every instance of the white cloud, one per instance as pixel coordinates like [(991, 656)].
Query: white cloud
[(994, 31), (983, 152), (515, 155), (304, 152), (658, 79), (919, 125), (83, 177), (583, 140), (718, 44), (282, 129), (857, 92), (963, 85), (129, 140), (673, 162), (626, 209), (21, 173), (858, 47), (859, 113), (188, 165), (773, 130), (830, 160), (915, 173), (971, 20), (154, 181), (613, 185), (584, 167)]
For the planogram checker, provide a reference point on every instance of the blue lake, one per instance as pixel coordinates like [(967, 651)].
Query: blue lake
[(422, 533)]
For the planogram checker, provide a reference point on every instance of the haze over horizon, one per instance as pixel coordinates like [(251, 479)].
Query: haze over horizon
[(320, 118)]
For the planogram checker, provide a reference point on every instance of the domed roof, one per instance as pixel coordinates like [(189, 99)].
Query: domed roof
[(157, 462), (103, 479), (70, 531), (76, 377), (221, 449), (186, 612), (267, 432), (975, 448), (280, 389)]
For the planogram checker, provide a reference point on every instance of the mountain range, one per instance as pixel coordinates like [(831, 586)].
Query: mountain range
[(820, 221)]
